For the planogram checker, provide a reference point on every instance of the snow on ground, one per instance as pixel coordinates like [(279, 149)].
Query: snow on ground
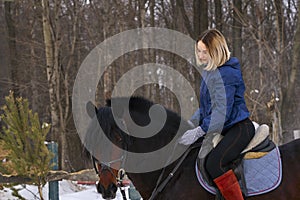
[(68, 190)]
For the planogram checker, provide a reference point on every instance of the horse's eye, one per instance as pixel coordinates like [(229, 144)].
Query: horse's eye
[(119, 139)]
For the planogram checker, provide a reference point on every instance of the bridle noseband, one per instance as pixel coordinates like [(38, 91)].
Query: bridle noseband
[(106, 167)]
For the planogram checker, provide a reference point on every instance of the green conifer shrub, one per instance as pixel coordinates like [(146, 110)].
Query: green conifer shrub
[(24, 138)]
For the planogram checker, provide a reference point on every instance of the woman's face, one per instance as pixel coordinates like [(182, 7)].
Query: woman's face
[(202, 53)]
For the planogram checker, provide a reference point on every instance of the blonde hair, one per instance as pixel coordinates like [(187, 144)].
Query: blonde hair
[(217, 49)]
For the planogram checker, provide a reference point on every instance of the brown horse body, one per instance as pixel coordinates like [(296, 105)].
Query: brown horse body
[(184, 184)]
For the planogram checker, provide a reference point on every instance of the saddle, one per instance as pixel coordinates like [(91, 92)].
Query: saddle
[(259, 146)]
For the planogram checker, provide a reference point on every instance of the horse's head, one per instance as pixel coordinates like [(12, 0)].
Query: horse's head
[(120, 128), (108, 169), (107, 184)]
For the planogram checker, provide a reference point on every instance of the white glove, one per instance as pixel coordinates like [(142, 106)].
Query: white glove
[(190, 136)]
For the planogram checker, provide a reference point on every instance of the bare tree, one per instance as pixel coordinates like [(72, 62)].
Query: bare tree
[(237, 29), (288, 103), (218, 14), (51, 40), (10, 12), (200, 17), (59, 67)]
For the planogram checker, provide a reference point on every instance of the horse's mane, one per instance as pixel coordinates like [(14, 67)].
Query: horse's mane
[(139, 110), (141, 104), (136, 103)]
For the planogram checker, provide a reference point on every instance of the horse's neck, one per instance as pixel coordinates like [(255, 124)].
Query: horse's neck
[(145, 182)]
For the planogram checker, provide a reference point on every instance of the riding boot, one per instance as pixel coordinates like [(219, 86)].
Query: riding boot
[(229, 186)]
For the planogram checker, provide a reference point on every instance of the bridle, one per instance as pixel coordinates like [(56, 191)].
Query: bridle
[(106, 167)]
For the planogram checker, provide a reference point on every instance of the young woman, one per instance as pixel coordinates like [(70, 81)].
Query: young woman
[(222, 109)]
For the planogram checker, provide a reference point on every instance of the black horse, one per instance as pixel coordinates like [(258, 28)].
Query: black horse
[(180, 183)]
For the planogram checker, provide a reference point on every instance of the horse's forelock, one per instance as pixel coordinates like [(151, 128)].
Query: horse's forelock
[(105, 118)]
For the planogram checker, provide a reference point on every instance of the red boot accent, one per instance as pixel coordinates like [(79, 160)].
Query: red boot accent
[(229, 186)]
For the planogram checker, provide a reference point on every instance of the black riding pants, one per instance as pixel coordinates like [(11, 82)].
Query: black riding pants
[(235, 140)]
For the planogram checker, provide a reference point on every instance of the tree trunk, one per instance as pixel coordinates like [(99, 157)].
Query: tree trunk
[(33, 65), (5, 68), (203, 15), (218, 14), (197, 17), (260, 13), (10, 23), (186, 21), (40, 189), (289, 94), (51, 75), (52, 49), (280, 65), (237, 30)]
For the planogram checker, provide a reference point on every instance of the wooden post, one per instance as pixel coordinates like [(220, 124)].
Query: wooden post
[(53, 185)]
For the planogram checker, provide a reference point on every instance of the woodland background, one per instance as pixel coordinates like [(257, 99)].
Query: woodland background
[(43, 43)]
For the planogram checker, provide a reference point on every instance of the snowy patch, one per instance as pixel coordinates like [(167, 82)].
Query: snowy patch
[(68, 190)]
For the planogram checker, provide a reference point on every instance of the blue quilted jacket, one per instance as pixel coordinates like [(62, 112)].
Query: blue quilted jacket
[(222, 102)]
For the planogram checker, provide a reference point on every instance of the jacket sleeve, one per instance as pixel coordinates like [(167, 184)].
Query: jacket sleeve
[(196, 116), (195, 119), (222, 100)]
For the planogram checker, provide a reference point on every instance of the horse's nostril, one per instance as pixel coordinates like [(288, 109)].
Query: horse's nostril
[(99, 188), (113, 188), (108, 195)]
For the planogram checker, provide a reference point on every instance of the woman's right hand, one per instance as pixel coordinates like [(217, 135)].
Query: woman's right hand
[(191, 136)]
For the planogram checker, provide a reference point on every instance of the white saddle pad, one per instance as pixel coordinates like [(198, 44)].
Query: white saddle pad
[(262, 175)]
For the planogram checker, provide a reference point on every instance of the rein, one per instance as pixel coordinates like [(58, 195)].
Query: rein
[(161, 185)]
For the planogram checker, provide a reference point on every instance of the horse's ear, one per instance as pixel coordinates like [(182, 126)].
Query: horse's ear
[(108, 102), (91, 109)]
